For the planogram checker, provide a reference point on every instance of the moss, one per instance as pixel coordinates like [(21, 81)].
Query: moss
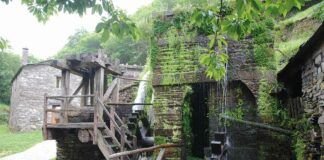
[(263, 52), (186, 119), (160, 140), (267, 105)]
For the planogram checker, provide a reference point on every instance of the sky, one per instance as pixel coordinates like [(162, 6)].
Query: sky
[(22, 29)]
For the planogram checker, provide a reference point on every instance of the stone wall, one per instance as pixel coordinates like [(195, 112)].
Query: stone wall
[(69, 146), (313, 98), (173, 71), (34, 80), (126, 95), (183, 67), (27, 99), (168, 117)]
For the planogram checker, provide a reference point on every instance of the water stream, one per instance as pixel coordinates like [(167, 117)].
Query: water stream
[(140, 98), (141, 94)]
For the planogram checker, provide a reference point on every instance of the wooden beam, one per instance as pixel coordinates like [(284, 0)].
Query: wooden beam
[(84, 125), (110, 90), (65, 92), (128, 104), (45, 118), (149, 149), (76, 91), (91, 87), (161, 154), (65, 97), (85, 90), (63, 65), (82, 109)]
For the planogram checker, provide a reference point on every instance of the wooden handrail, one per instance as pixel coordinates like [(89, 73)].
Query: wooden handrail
[(149, 149), (66, 110), (72, 96), (118, 129), (132, 79), (110, 134), (129, 104)]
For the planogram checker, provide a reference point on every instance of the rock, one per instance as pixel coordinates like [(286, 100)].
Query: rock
[(318, 60), (322, 66)]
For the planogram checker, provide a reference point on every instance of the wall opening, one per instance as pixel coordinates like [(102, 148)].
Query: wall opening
[(58, 81), (200, 121)]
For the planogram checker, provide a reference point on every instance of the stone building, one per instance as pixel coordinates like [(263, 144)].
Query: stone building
[(303, 90), (33, 81), (29, 86)]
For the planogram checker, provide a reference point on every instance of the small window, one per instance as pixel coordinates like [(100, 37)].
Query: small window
[(58, 81)]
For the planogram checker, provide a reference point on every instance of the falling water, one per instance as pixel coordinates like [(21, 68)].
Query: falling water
[(140, 98), (141, 94)]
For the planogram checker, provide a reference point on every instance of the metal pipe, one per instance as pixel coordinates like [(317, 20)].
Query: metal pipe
[(261, 125)]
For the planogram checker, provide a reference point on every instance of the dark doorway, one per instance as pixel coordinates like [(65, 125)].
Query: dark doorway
[(199, 122)]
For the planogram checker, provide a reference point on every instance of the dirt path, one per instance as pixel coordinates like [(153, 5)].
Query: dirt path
[(45, 150)]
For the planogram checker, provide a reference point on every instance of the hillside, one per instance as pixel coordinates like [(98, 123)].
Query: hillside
[(295, 30)]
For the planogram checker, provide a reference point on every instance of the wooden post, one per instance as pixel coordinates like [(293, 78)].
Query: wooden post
[(122, 141), (85, 90), (112, 108), (91, 87), (45, 118), (65, 92), (98, 85)]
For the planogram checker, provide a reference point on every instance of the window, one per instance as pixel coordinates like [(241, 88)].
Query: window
[(58, 81)]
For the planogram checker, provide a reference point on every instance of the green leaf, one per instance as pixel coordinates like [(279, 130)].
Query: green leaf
[(256, 4), (100, 26), (105, 35), (211, 42)]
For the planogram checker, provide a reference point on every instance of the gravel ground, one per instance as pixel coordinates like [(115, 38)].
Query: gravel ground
[(45, 150)]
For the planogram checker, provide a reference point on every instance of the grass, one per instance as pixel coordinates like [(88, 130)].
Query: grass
[(308, 13), (4, 112), (293, 32), (17, 142)]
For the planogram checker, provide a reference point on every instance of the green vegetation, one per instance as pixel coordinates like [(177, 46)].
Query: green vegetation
[(267, 105), (114, 21), (186, 120), (16, 142), (292, 32), (80, 42), (315, 10), (8, 68), (4, 114)]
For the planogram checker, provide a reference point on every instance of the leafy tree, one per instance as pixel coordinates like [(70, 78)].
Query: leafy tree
[(114, 21), (4, 44), (234, 19), (80, 42), (8, 68), (127, 50)]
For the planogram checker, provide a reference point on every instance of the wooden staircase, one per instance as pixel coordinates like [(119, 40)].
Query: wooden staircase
[(115, 136)]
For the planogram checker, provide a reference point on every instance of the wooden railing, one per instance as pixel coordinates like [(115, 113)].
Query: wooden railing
[(149, 149), (64, 103), (121, 129)]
